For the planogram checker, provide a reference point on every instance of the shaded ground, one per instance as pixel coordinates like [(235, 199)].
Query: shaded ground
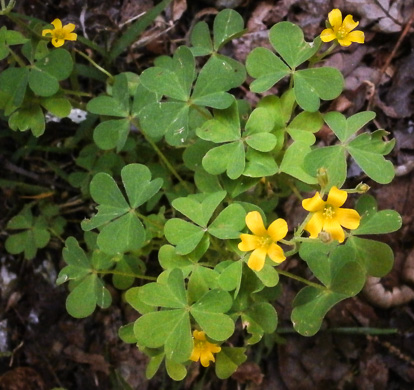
[(41, 347)]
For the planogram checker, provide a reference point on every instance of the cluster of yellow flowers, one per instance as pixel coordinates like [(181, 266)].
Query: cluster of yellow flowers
[(327, 216)]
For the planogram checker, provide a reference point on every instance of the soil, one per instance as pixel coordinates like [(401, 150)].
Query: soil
[(42, 347)]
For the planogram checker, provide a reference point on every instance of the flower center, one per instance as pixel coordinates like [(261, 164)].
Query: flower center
[(342, 33), (265, 241), (199, 344), (59, 33), (328, 211)]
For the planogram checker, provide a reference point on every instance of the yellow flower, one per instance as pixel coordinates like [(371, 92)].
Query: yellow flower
[(328, 216), (61, 33), (263, 242), (342, 31), (203, 350)]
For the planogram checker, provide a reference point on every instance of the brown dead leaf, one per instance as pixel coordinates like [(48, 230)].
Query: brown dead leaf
[(255, 23), (21, 378), (178, 8), (97, 362), (248, 372)]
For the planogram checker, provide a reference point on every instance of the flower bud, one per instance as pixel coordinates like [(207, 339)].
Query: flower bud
[(362, 188)]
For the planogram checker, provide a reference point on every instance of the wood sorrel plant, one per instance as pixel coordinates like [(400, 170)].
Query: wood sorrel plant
[(201, 175)]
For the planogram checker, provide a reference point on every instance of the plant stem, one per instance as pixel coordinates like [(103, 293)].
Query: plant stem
[(104, 71), (300, 279), (17, 58), (137, 276), (166, 162)]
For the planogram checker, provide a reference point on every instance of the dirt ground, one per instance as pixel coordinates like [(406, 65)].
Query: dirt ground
[(42, 347)]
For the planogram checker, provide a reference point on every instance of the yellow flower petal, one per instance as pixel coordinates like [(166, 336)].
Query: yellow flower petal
[(46, 31), (249, 242), (335, 18), (57, 42), (257, 259), (57, 24), (205, 358), (348, 218), (349, 24), (336, 197), (68, 28), (195, 355), (356, 36), (333, 227), (278, 229), (71, 37), (199, 335), (328, 35), (344, 42), (215, 348), (275, 252), (313, 204), (315, 224), (254, 222)]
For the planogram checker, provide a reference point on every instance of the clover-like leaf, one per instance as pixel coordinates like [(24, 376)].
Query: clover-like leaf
[(228, 24), (34, 234), (122, 230), (287, 39), (338, 269), (344, 127), (368, 151), (311, 85), (228, 360)]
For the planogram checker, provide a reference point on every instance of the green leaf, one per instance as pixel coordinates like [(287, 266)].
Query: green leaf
[(58, 64), (170, 295), (82, 300), (199, 212), (169, 118), (60, 107), (201, 40), (263, 142), (293, 162), (268, 275), (29, 116), (122, 235), (136, 179), (176, 371), (219, 74), (345, 128), (126, 334), (168, 328), (225, 127), (112, 134), (337, 268), (168, 259), (287, 39), (302, 127), (266, 68), (368, 150), (228, 24), (228, 223), (333, 159), (107, 105), (36, 236), (260, 164), (202, 279), (43, 83), (208, 312), (78, 264), (311, 85), (228, 360), (174, 82), (183, 234), (228, 158), (13, 83), (376, 257), (258, 319), (381, 222), (230, 277)]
